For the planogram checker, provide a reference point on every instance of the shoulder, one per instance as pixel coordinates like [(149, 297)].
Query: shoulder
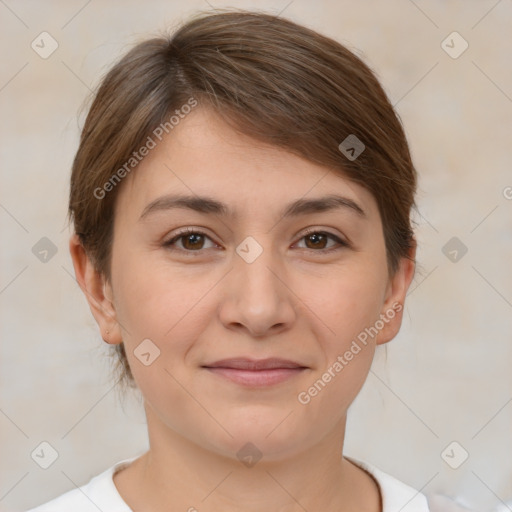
[(99, 493), (396, 495), (72, 500)]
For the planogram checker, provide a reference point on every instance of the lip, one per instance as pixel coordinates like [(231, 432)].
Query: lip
[(246, 363), (256, 372)]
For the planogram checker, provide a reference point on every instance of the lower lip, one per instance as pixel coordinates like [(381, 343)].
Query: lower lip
[(257, 377)]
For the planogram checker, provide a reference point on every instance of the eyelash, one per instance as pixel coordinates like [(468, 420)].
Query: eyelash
[(191, 231)]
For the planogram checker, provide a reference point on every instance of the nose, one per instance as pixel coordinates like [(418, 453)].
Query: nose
[(257, 297)]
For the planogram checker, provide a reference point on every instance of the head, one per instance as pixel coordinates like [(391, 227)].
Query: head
[(254, 113)]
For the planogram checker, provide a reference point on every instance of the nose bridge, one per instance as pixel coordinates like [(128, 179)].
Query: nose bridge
[(255, 265), (258, 297)]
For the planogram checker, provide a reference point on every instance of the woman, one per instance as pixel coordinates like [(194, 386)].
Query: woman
[(241, 201)]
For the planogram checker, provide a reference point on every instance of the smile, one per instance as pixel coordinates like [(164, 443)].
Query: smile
[(256, 373)]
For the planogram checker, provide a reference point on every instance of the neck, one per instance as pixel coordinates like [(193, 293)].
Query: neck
[(179, 474)]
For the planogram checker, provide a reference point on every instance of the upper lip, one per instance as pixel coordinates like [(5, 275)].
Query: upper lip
[(245, 363)]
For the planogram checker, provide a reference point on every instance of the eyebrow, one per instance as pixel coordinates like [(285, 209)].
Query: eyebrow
[(209, 205)]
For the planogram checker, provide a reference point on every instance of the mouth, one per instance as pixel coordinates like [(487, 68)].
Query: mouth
[(256, 373)]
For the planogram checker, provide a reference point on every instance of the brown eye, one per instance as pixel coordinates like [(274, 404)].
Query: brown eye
[(194, 241), (191, 241), (318, 240)]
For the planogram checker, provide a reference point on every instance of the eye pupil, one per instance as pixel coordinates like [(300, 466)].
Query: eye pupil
[(193, 239), (316, 237)]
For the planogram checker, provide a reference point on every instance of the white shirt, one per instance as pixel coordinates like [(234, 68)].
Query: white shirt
[(102, 494)]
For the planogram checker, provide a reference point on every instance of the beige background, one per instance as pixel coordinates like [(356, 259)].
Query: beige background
[(445, 378)]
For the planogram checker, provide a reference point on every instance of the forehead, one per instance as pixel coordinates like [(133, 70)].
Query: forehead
[(204, 156)]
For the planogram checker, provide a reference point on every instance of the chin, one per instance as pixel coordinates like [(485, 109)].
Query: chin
[(266, 435)]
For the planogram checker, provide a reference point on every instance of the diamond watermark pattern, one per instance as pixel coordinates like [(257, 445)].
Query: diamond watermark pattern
[(44, 45), (249, 249), (44, 455), (454, 249), (454, 455), (351, 147), (44, 250), (454, 45), (249, 455), (147, 352)]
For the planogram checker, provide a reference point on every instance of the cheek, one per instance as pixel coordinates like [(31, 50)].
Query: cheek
[(351, 304), (152, 306), (157, 301), (348, 345)]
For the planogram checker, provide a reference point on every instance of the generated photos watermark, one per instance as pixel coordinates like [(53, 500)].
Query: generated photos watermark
[(151, 143), (304, 397)]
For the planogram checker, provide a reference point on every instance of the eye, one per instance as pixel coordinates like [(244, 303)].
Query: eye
[(317, 240), (193, 240)]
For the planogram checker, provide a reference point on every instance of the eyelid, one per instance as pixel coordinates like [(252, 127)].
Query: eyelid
[(185, 231), (340, 240), (326, 231)]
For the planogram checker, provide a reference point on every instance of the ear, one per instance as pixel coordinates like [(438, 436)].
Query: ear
[(97, 291), (393, 307)]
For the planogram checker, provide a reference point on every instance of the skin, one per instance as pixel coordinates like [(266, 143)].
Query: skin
[(295, 301)]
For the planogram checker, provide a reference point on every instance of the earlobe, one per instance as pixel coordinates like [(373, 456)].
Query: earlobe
[(97, 291), (393, 307)]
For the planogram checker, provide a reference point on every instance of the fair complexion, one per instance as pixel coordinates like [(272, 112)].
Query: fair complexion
[(305, 298)]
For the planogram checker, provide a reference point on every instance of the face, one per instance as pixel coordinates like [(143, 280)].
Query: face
[(260, 280)]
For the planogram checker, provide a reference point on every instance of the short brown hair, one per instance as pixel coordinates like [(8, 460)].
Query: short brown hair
[(269, 78)]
